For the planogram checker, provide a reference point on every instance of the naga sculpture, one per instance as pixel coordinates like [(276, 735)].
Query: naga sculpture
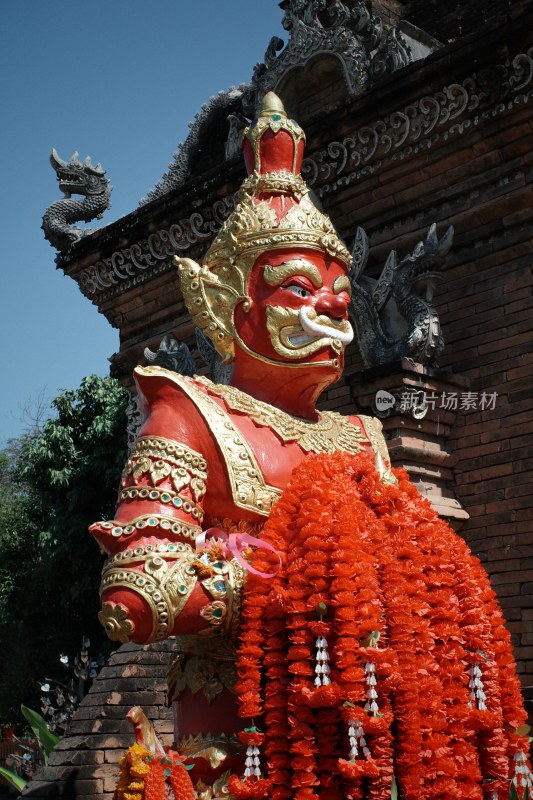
[(172, 355), (75, 177), (393, 315), (334, 638)]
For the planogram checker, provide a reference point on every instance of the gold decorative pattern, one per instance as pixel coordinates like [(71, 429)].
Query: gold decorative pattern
[(196, 745), (165, 496), (281, 181), (206, 665), (114, 618), (146, 521), (219, 790), (374, 430), (330, 433), (249, 489), (133, 555), (272, 116), (165, 585), (214, 613), (225, 587), (201, 673), (161, 458)]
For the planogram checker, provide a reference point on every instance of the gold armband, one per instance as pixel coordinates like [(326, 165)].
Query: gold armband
[(161, 460)]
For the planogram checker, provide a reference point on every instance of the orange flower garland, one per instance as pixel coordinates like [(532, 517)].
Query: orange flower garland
[(415, 638), (145, 776)]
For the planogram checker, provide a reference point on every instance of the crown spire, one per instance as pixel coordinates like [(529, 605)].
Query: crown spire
[(273, 143)]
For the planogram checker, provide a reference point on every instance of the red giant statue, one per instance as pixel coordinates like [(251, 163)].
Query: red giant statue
[(334, 638)]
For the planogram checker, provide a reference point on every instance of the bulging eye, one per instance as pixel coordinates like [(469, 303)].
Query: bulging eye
[(298, 290)]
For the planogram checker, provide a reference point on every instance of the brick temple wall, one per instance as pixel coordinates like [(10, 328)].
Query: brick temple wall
[(85, 762)]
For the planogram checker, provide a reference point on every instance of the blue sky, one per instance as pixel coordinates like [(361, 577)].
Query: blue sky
[(118, 80)]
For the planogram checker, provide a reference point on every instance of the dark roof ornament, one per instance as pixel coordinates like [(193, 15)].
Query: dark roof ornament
[(349, 32), (346, 31), (75, 177)]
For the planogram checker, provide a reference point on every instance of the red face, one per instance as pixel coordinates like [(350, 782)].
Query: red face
[(299, 309)]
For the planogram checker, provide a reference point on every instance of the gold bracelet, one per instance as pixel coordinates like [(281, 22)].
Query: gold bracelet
[(165, 523), (166, 496)]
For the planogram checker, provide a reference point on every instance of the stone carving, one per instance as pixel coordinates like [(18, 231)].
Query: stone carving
[(172, 355), (237, 124), (177, 357), (133, 417), (180, 167), (75, 177), (217, 371), (393, 315), (392, 54), (418, 126), (122, 267), (352, 34)]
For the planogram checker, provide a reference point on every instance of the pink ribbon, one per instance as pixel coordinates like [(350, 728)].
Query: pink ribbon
[(236, 542)]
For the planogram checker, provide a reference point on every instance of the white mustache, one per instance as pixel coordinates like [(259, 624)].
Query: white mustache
[(344, 336)]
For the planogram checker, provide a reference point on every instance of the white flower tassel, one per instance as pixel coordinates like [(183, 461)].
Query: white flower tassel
[(371, 706), (522, 775), (322, 670), (356, 736), (477, 693), (252, 763)]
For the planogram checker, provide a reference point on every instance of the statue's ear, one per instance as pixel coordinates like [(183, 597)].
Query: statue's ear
[(211, 299)]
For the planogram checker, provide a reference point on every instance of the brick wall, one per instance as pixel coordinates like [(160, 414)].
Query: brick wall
[(450, 19), (85, 762)]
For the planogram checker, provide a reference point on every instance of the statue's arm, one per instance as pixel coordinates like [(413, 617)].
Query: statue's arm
[(155, 583)]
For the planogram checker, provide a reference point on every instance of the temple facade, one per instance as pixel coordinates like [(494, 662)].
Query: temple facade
[(417, 115)]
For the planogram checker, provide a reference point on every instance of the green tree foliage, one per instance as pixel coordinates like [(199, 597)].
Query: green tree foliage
[(54, 483)]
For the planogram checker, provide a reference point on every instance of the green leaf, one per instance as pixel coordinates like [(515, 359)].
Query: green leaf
[(394, 789), (15, 780), (513, 794), (38, 725)]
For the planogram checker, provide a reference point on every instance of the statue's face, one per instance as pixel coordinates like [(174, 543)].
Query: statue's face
[(298, 310)]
